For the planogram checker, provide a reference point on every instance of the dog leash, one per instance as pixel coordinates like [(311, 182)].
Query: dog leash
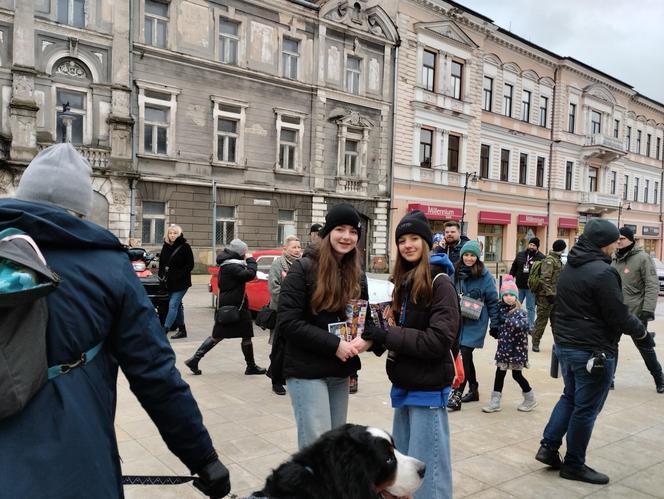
[(155, 479)]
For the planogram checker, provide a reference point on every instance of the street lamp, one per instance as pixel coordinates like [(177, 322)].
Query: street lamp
[(472, 176), (620, 207)]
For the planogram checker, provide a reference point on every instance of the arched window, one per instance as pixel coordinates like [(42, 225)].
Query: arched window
[(73, 101)]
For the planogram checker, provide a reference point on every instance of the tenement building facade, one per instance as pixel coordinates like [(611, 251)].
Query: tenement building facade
[(516, 141), (230, 118)]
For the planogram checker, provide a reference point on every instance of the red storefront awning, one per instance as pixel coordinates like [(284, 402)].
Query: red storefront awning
[(533, 220), (433, 212), (568, 223), (495, 217)]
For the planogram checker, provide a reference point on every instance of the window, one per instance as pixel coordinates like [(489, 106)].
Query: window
[(625, 186), (289, 58), (655, 194), (613, 182), (156, 107), (453, 142), (485, 152), (571, 120), (487, 94), (539, 182), (648, 143), (544, 110), (592, 179), (569, 175), (75, 105), (646, 188), (616, 128), (638, 142), (595, 122), (429, 70), (72, 12), (353, 74), (156, 23), (229, 131), (628, 138), (285, 225), (290, 131), (525, 105), (154, 221), (155, 130), (636, 188), (228, 41), (457, 69), (426, 143), (350, 158), (504, 165), (507, 100), (657, 147), (225, 224), (523, 168)]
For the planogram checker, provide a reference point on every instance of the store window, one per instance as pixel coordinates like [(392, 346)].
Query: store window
[(566, 235), (490, 237), (650, 246), (523, 235)]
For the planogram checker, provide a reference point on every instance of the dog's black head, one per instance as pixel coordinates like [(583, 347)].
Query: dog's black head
[(349, 462)]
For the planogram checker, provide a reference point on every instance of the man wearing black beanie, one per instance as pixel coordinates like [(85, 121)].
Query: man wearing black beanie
[(521, 271), (640, 287)]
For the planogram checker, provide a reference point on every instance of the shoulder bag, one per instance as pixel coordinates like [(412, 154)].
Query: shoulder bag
[(471, 308), (227, 314)]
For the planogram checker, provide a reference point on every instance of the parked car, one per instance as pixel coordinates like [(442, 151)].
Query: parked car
[(660, 273), (257, 291)]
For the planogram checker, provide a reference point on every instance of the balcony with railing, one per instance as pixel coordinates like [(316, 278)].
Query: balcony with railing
[(99, 158), (352, 185), (603, 147), (598, 202)]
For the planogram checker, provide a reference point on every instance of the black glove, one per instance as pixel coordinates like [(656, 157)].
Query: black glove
[(646, 316), (494, 332), (551, 299), (648, 341), (374, 333), (213, 480)]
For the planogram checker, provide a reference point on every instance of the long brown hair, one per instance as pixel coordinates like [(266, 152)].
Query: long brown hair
[(336, 282), (417, 277), (475, 271)]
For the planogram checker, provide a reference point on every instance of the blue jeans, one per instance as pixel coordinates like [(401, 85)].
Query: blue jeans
[(423, 433), (175, 314), (582, 400), (319, 405), (529, 297)]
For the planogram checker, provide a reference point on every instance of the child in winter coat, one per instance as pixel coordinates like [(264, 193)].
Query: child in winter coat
[(512, 351)]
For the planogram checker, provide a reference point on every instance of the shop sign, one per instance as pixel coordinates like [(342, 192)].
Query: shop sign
[(495, 217), (568, 223), (650, 230), (533, 220), (433, 212)]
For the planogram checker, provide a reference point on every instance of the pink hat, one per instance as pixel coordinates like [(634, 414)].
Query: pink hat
[(509, 287)]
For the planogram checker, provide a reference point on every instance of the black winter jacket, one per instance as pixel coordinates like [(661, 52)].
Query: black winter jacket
[(179, 266), (590, 313), (234, 273), (521, 277), (310, 350), (420, 350), (453, 252)]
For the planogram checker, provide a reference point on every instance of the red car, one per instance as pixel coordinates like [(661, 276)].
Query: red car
[(257, 291)]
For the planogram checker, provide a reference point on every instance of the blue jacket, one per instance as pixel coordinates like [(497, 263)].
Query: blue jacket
[(63, 443), (483, 288)]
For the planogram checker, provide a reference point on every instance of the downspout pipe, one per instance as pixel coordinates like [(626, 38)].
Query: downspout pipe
[(548, 189), (390, 172), (134, 166)]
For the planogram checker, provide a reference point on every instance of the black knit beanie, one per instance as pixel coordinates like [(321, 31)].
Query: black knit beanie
[(535, 241), (415, 222), (627, 232), (341, 214), (559, 245), (601, 232)]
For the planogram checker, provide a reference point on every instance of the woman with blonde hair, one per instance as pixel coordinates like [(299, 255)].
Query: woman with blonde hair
[(176, 261)]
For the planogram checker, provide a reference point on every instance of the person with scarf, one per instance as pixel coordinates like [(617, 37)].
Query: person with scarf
[(472, 279), (292, 251)]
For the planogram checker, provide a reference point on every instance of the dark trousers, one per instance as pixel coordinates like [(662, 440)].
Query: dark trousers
[(517, 375), (468, 368), (649, 356)]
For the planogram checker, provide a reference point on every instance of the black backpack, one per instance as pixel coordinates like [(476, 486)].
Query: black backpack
[(25, 280)]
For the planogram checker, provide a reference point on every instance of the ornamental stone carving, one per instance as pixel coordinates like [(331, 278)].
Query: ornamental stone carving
[(71, 69)]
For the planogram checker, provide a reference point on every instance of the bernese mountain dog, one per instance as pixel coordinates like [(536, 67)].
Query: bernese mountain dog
[(349, 462)]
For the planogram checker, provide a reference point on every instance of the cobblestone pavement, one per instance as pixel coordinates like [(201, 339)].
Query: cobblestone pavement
[(492, 454)]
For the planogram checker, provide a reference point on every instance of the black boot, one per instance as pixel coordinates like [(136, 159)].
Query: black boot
[(659, 383), (473, 394), (454, 402), (182, 333), (252, 368), (205, 347)]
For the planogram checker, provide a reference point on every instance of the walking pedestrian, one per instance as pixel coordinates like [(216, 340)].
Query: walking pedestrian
[(280, 267), (63, 442), (472, 279), (520, 270), (640, 287), (235, 271), (314, 296), (425, 308), (545, 293), (176, 261), (590, 318), (512, 349)]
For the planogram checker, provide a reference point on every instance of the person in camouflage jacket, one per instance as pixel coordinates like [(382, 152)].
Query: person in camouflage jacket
[(545, 296)]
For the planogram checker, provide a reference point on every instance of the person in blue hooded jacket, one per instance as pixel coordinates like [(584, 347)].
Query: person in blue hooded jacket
[(472, 279), (63, 443)]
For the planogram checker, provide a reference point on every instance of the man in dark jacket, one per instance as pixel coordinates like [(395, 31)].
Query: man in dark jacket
[(453, 241), (590, 317), (521, 271), (63, 444)]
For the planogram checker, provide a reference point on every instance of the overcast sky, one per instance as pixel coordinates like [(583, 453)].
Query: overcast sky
[(623, 38)]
